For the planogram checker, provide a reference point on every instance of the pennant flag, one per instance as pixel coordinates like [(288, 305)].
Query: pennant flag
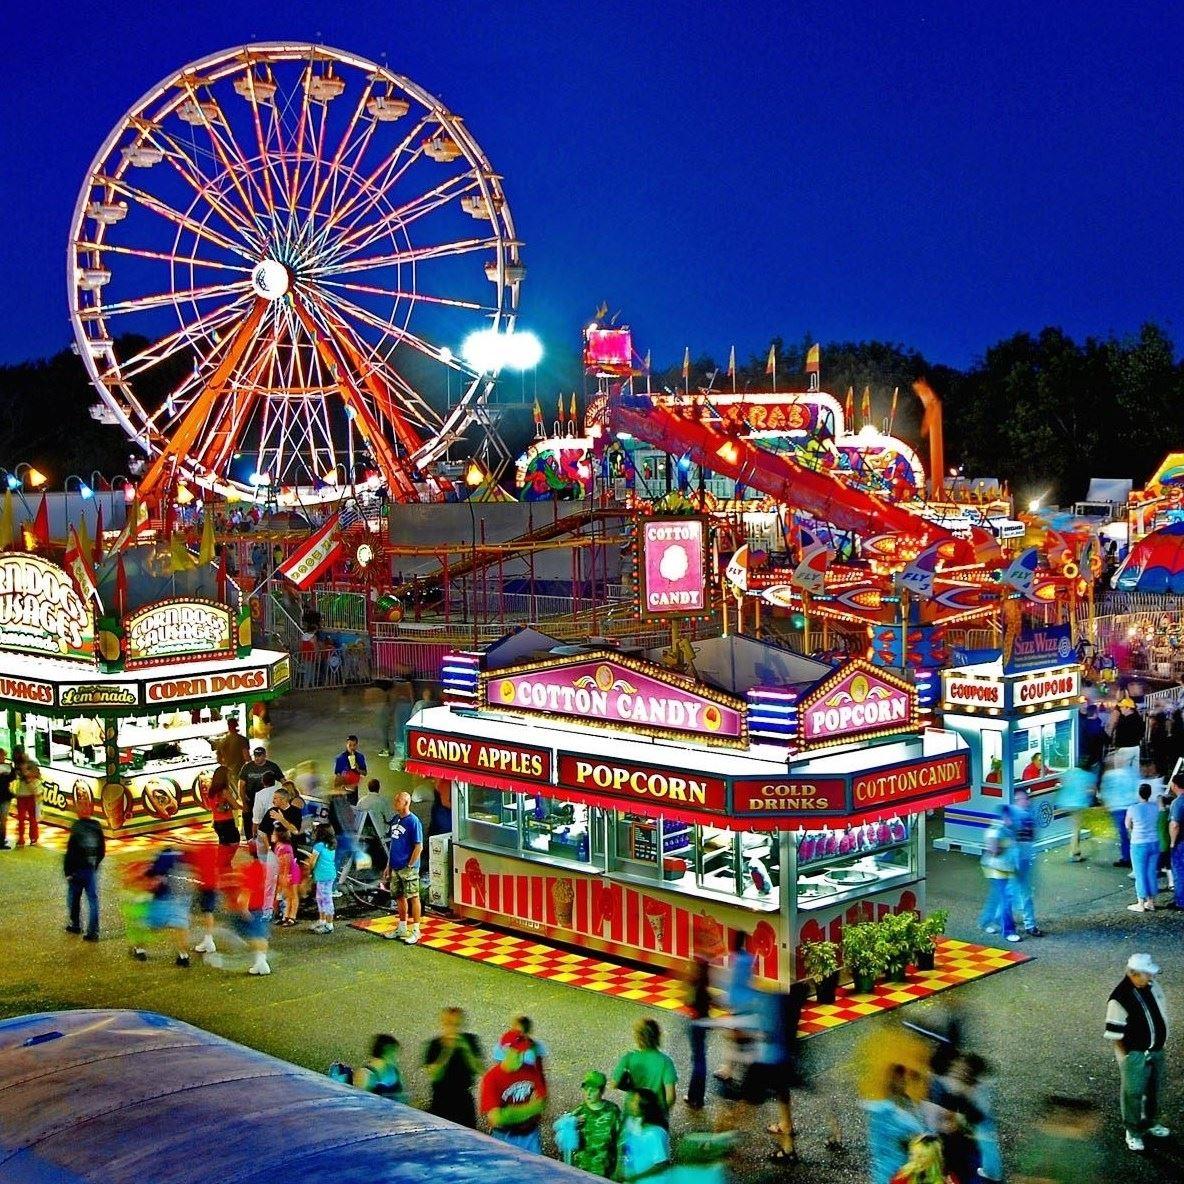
[(37, 533), (865, 407), (892, 409), (78, 565), (732, 363), (647, 363), (180, 557), (222, 584), (813, 359), (918, 576), (1021, 575), (771, 360), (97, 555), (205, 553), (137, 515), (686, 362), (849, 411), (810, 574), (84, 542), (314, 556), (120, 588), (7, 522), (538, 413), (573, 406), (736, 573), (559, 407), (602, 312)]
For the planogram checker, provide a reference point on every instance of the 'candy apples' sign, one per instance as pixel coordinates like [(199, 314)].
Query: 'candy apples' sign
[(41, 612), (179, 629), (857, 700), (630, 696)]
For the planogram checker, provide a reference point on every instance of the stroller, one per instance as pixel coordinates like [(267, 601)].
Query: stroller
[(360, 877)]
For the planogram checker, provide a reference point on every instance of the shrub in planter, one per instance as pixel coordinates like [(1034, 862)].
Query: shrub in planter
[(898, 932), (821, 959), (864, 954), (929, 929)]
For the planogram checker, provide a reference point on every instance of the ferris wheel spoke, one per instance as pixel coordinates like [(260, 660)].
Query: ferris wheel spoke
[(344, 146), (402, 335), (414, 297), (162, 256), (412, 255), (240, 221), (382, 175), (187, 335), (360, 236), (157, 206), (209, 292)]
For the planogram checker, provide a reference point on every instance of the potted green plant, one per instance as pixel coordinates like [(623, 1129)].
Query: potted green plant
[(863, 954), (821, 960), (899, 934), (929, 929)]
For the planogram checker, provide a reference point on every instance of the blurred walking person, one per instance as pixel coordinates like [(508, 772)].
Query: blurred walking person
[(7, 776), (454, 1063), (513, 1097), (1176, 840), (1120, 791), (28, 791), (1023, 832), (999, 864), (698, 1007)]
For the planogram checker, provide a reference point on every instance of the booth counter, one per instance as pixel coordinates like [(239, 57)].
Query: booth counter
[(657, 842)]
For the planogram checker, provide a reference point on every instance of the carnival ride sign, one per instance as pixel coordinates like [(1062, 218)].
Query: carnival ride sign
[(179, 629), (626, 695), (856, 701), (673, 567), (41, 612)]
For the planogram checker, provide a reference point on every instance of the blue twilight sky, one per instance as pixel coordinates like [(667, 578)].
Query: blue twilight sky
[(941, 174)]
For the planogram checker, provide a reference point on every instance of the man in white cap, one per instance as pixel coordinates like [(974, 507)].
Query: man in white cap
[(1137, 1023)]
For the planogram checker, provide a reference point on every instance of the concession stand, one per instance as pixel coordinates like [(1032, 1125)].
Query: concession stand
[(611, 803), (120, 714), (1018, 714)]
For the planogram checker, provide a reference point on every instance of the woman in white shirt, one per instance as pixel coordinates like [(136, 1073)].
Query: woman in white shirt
[(1142, 821)]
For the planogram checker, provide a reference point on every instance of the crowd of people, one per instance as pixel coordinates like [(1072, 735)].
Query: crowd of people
[(284, 839)]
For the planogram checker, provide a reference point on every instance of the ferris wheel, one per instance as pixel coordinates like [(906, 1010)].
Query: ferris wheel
[(273, 260)]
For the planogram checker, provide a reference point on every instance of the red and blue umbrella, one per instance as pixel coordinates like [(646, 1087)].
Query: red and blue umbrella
[(1155, 563)]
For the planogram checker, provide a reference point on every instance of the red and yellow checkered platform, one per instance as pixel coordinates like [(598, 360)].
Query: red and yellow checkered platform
[(54, 838), (957, 962)]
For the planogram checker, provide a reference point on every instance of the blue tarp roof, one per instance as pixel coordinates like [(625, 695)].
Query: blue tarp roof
[(132, 1097)]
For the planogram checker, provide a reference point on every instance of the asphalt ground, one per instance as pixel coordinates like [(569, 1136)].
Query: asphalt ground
[(1039, 1025)]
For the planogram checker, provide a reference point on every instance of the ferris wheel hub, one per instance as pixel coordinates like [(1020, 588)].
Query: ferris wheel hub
[(271, 279)]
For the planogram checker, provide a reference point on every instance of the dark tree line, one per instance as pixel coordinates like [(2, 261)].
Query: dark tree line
[(1041, 411)]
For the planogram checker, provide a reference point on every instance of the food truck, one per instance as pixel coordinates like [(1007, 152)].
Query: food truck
[(1018, 714), (606, 801), (125, 738)]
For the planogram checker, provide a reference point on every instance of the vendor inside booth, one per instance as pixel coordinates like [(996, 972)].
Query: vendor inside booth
[(1018, 714), (127, 738), (614, 804)]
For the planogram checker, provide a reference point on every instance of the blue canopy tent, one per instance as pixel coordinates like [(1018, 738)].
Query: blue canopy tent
[(131, 1097)]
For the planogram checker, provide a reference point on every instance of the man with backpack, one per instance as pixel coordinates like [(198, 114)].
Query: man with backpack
[(85, 850)]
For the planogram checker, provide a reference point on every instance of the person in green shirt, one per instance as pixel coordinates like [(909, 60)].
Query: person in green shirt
[(647, 1066), (599, 1124)]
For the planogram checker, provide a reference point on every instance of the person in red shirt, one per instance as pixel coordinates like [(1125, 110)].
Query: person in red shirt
[(1034, 768), (203, 859), (246, 889), (514, 1095)]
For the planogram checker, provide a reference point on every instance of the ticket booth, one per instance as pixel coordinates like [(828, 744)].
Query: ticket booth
[(1021, 729)]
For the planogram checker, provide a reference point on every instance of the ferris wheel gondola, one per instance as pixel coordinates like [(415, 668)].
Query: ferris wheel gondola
[(271, 260)]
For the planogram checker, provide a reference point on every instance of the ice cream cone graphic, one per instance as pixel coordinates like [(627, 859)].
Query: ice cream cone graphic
[(563, 897), (655, 916)]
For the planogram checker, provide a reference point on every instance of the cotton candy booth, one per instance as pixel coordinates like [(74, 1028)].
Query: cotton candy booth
[(120, 713), (609, 802)]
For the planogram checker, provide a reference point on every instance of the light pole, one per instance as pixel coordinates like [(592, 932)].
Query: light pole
[(473, 479), (15, 480), (84, 490)]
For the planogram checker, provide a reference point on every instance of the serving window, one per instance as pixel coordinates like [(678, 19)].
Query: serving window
[(1041, 749)]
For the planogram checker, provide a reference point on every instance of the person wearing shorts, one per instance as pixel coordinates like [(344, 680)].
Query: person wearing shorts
[(406, 847), (323, 867)]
